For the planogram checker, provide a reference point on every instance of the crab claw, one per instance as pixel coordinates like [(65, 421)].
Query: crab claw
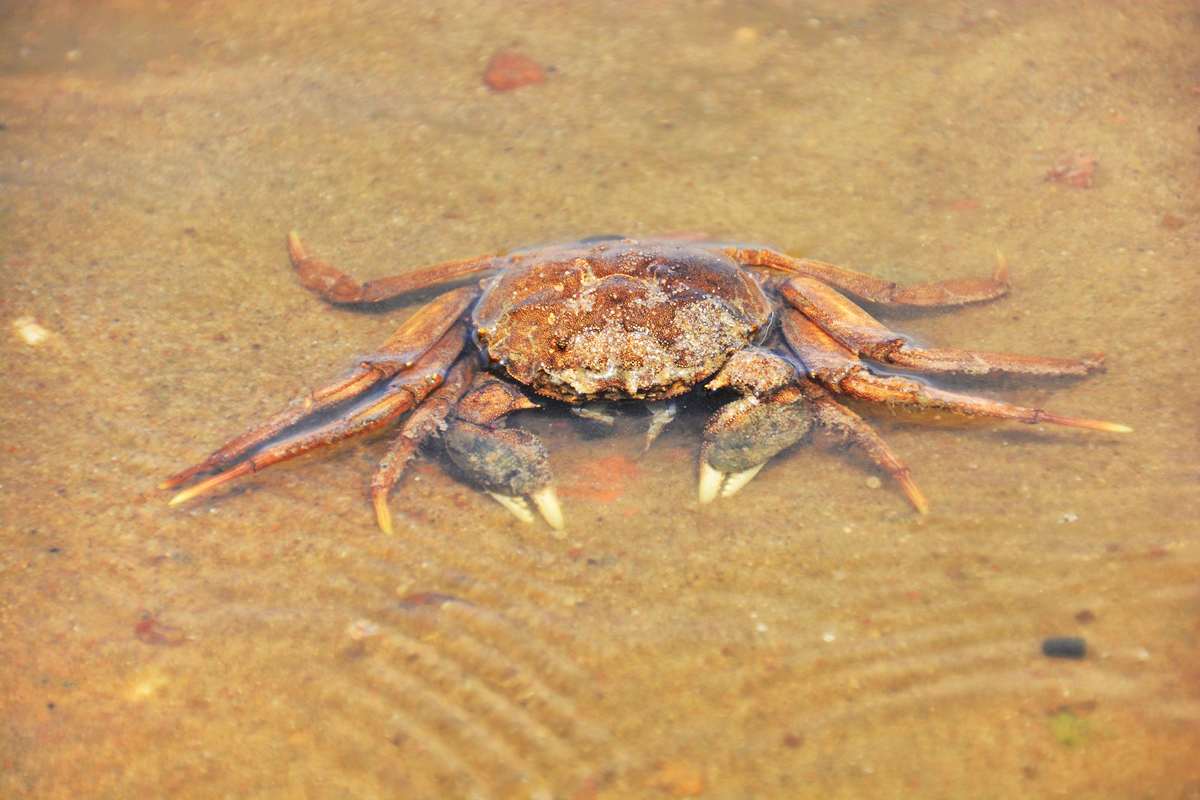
[(548, 506), (545, 500), (509, 464), (743, 436), (517, 505), (713, 482)]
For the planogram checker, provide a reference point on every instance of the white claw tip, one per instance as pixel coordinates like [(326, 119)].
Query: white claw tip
[(517, 505), (549, 507), (710, 482), (735, 482)]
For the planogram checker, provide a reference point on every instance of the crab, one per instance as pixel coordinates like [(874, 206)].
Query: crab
[(618, 319)]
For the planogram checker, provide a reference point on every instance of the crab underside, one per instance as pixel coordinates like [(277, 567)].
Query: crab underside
[(618, 319)]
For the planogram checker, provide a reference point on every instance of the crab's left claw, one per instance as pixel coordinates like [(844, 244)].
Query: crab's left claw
[(510, 464)]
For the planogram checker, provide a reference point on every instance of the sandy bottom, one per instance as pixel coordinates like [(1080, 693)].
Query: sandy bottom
[(811, 637)]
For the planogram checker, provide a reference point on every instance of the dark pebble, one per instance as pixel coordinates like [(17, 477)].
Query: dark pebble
[(1064, 647)]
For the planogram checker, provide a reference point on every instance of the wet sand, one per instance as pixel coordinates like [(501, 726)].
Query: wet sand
[(811, 637)]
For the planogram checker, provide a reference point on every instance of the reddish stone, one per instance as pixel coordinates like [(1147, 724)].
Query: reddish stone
[(1077, 171), (508, 70), (150, 631)]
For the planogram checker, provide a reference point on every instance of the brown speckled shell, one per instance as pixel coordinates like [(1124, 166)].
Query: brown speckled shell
[(618, 320)]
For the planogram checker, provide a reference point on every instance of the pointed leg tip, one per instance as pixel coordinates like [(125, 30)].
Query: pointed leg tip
[(295, 247), (383, 515), (1000, 273), (912, 491), (1093, 425), (208, 484)]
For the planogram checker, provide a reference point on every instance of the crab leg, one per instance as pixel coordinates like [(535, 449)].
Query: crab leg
[(953, 292), (400, 395), (862, 333), (833, 414), (429, 417), (336, 286), (662, 414), (410, 341), (776, 411), (839, 370)]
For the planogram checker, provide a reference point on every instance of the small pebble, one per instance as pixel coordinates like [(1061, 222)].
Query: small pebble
[(149, 630), (677, 779), (873, 482), (1069, 516), (1077, 171), (362, 629), (1064, 647), (30, 331), (745, 35), (508, 70)]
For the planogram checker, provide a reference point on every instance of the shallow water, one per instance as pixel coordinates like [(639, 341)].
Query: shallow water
[(811, 637)]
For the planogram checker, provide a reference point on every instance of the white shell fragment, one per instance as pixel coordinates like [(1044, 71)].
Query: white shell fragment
[(29, 331)]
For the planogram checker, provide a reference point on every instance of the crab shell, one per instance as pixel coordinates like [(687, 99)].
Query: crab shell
[(619, 320)]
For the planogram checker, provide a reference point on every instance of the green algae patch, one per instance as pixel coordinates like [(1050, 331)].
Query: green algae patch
[(1069, 729)]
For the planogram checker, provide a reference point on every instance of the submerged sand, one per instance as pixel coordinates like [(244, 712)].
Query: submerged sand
[(811, 637)]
